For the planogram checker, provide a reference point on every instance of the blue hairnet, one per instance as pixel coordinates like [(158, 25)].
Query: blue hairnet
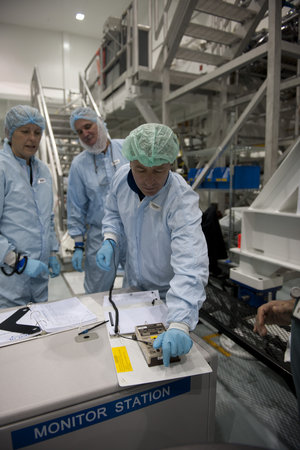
[(152, 144), (82, 112), (22, 115)]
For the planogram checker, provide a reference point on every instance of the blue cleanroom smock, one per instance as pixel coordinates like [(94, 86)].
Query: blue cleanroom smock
[(26, 225), (166, 248), (89, 181)]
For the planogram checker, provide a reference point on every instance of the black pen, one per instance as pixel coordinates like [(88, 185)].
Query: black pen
[(95, 326)]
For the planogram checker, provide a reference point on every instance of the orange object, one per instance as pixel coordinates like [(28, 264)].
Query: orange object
[(239, 240)]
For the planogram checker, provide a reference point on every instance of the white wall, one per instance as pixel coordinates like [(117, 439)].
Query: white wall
[(22, 48)]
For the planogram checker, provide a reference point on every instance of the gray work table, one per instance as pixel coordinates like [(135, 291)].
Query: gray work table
[(59, 393)]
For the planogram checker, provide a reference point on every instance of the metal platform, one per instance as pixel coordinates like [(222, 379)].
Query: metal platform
[(235, 319)]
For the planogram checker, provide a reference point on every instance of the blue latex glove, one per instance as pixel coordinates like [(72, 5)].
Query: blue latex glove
[(34, 268), (173, 342), (104, 255), (54, 266), (77, 259)]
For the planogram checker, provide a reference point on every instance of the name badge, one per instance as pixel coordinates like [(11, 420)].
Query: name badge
[(155, 206), (41, 180), (115, 162)]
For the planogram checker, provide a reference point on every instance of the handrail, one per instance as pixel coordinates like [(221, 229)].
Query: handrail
[(92, 60), (51, 160), (40, 96), (38, 99), (89, 94), (90, 97)]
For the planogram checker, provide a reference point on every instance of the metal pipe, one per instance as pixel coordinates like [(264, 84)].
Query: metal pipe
[(88, 93), (222, 147), (48, 123), (92, 101), (51, 161)]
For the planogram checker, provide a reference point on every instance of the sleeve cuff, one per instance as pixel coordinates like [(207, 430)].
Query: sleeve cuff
[(78, 238), (111, 236), (180, 326)]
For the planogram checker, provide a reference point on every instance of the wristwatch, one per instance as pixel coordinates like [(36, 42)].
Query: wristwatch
[(295, 293)]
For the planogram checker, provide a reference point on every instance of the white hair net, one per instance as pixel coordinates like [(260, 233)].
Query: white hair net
[(21, 115), (87, 113), (82, 112)]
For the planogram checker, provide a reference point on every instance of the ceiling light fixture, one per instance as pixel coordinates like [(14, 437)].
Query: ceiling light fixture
[(79, 16)]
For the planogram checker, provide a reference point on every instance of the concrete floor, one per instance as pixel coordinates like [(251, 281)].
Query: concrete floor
[(254, 406)]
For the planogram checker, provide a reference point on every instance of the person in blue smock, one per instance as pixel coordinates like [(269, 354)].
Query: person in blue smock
[(282, 313), (160, 216), (28, 242), (88, 184)]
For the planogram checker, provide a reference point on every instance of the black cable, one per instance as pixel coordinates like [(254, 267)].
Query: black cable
[(116, 329), (134, 339)]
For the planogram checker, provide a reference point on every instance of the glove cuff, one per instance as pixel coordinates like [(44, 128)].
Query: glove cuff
[(179, 326)]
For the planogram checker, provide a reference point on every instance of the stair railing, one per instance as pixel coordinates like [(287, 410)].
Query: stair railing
[(86, 93), (38, 101)]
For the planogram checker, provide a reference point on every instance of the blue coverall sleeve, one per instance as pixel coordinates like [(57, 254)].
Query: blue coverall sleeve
[(5, 245), (77, 203), (112, 222), (189, 260)]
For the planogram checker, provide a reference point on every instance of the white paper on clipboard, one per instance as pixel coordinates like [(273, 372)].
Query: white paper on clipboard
[(130, 299), (130, 318), (135, 308)]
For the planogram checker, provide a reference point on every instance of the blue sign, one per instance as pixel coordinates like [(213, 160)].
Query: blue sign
[(100, 413)]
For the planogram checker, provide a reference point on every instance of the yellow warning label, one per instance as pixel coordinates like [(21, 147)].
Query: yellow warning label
[(122, 360)]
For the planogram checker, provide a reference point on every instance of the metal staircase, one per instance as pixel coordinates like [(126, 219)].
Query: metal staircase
[(58, 147), (187, 40), (66, 140), (196, 65), (223, 74)]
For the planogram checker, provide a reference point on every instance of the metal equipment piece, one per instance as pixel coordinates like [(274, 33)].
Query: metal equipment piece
[(235, 319), (270, 241), (145, 335)]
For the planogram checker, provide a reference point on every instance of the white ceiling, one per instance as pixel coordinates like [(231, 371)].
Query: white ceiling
[(59, 15)]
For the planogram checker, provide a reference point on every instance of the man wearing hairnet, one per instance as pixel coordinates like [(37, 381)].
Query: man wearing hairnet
[(27, 238), (89, 180), (161, 219)]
